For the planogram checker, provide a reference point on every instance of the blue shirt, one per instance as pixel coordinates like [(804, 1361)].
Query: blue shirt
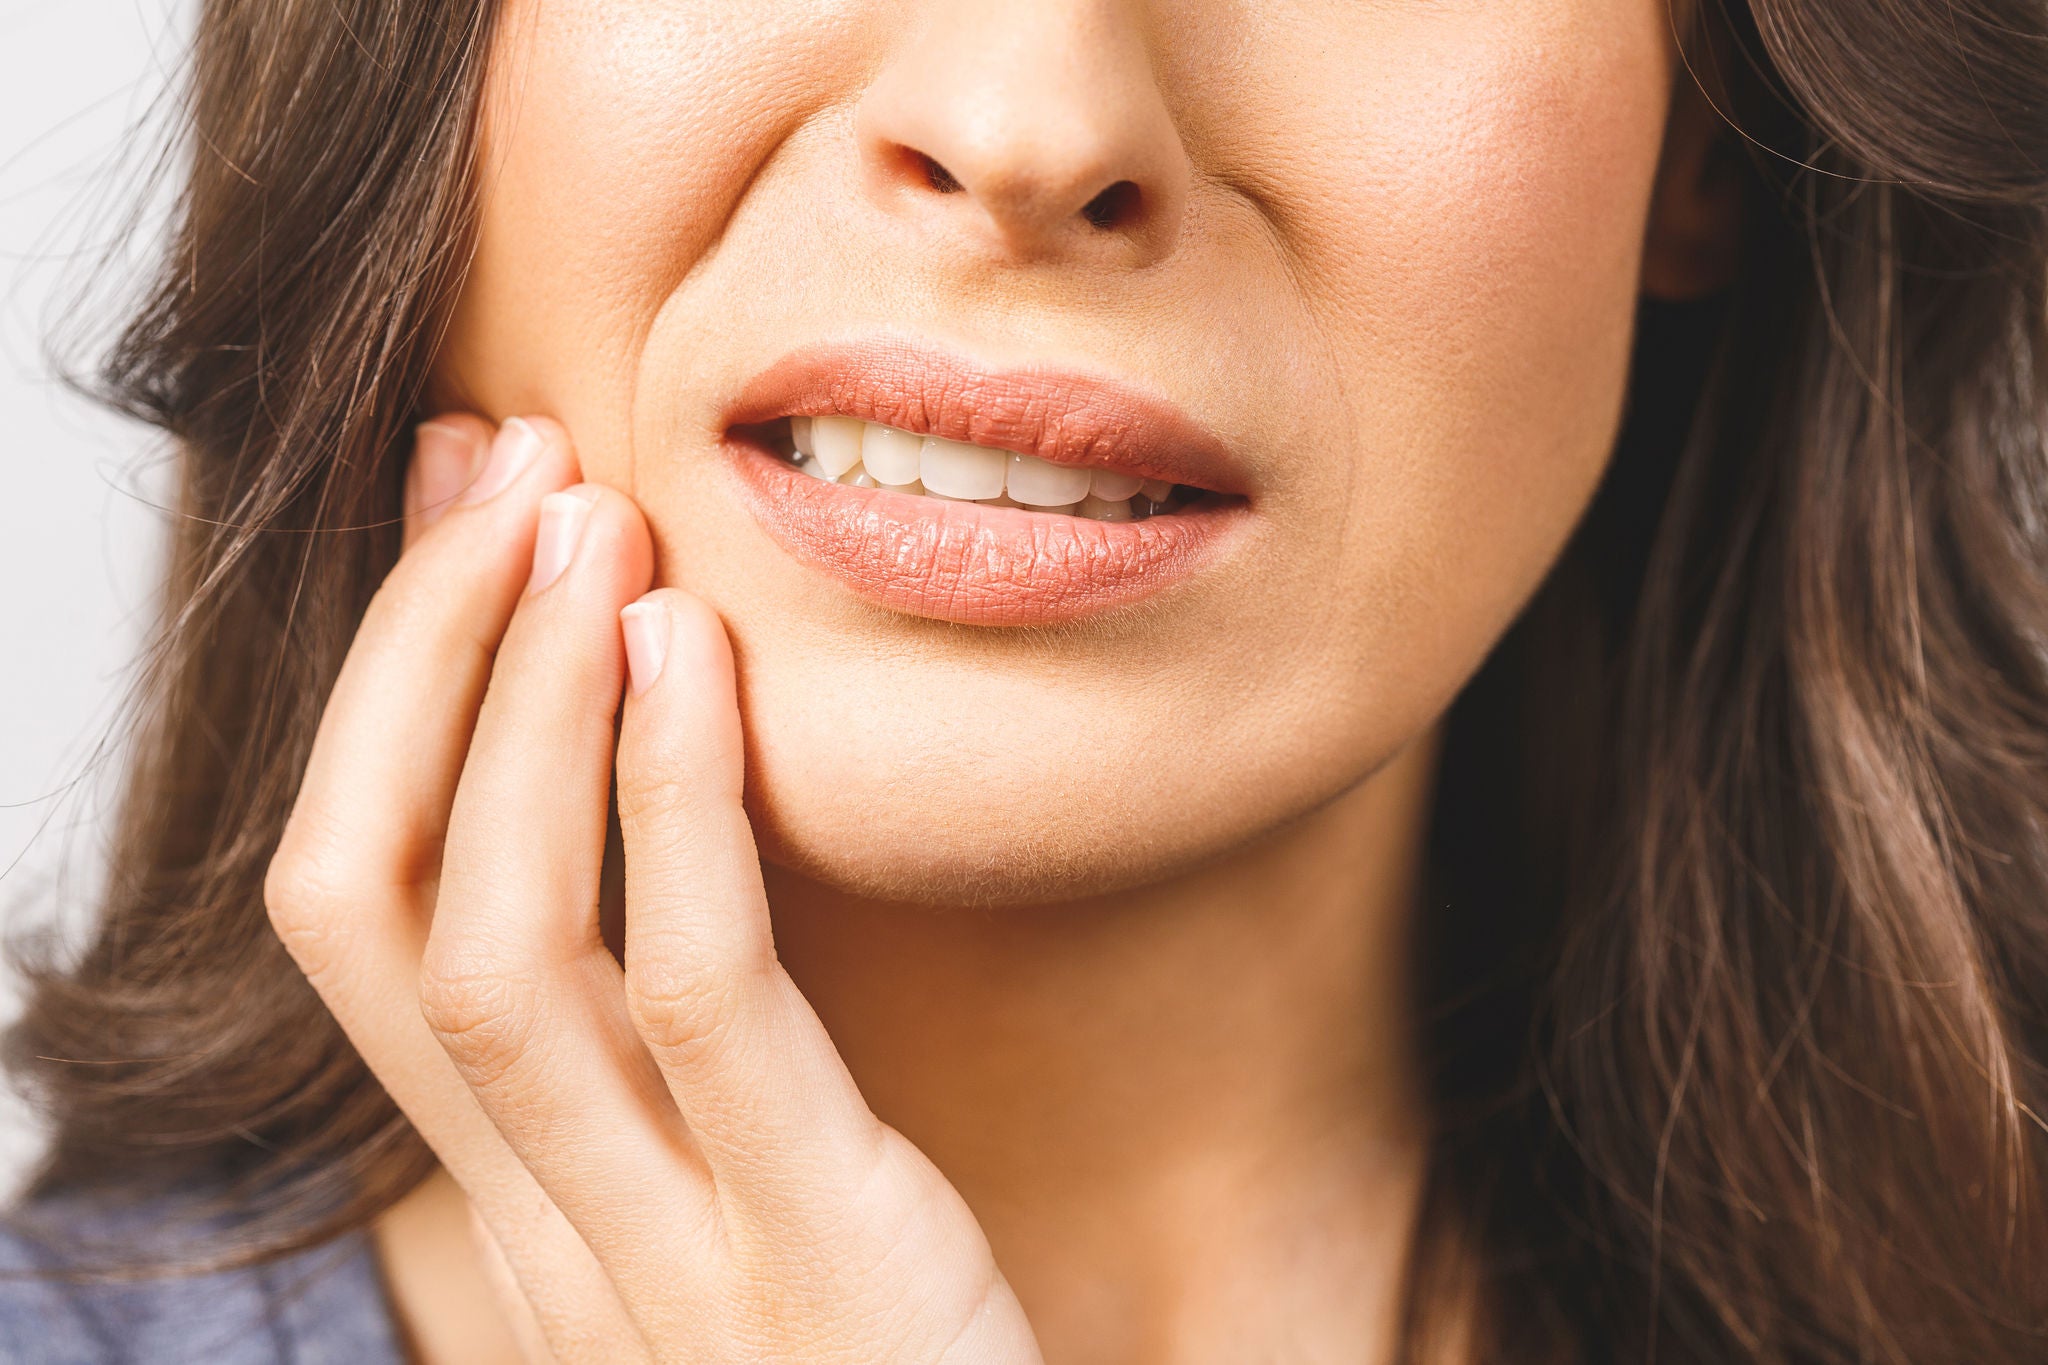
[(326, 1306)]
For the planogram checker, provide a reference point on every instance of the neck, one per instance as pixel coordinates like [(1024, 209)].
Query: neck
[(1176, 1090)]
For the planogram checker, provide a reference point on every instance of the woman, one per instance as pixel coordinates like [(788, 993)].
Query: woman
[(1286, 682)]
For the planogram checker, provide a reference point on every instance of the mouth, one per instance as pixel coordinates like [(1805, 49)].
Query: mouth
[(934, 487)]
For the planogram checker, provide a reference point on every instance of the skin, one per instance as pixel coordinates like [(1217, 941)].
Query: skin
[(987, 994)]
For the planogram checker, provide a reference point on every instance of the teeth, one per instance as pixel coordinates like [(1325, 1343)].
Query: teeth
[(1105, 509), (959, 470), (837, 442), (1111, 487), (1040, 483), (867, 455), (891, 455)]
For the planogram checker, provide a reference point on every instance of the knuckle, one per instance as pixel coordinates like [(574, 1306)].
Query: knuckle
[(648, 786), (682, 1005), (669, 773), (482, 1015), (308, 906)]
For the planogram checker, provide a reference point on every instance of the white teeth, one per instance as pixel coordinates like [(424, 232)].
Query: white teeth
[(891, 455), (837, 442), (1041, 483), (1113, 487), (959, 470), (861, 454)]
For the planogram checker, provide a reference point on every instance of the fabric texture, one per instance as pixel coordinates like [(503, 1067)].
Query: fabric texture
[(322, 1307)]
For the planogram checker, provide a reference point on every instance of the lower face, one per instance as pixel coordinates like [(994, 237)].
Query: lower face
[(1378, 357)]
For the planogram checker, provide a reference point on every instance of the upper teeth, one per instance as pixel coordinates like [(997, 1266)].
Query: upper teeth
[(849, 450)]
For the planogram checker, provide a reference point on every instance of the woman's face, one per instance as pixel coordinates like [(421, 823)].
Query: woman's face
[(1367, 267)]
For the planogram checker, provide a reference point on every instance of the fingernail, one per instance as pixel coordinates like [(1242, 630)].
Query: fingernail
[(443, 458), (646, 626), (562, 518), (514, 449)]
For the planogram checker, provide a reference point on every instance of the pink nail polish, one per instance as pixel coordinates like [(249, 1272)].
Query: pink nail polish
[(515, 448), (646, 626), (562, 518)]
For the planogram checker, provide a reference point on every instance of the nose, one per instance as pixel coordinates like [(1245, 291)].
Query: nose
[(1036, 128)]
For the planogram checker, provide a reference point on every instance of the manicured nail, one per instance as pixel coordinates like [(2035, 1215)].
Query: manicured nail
[(517, 445), (562, 518), (444, 457), (646, 626)]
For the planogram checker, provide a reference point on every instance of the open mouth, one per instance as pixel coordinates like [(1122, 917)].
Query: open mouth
[(930, 485), (860, 454)]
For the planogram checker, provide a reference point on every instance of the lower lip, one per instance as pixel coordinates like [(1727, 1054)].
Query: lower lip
[(971, 563)]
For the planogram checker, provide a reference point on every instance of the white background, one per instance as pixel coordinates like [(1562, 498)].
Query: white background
[(80, 530)]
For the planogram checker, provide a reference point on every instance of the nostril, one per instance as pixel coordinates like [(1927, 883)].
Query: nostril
[(907, 166), (938, 177), (1116, 205)]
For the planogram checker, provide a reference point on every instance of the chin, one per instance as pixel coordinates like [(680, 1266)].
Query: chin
[(929, 815), (1006, 825)]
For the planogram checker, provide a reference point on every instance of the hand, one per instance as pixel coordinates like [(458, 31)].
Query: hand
[(672, 1157)]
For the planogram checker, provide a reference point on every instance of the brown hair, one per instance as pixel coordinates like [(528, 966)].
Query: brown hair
[(1739, 956)]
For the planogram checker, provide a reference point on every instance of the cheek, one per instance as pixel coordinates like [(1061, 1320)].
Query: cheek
[(1472, 257), (1518, 247), (1521, 241), (617, 140)]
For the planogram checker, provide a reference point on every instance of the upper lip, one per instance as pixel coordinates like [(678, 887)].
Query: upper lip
[(1059, 416)]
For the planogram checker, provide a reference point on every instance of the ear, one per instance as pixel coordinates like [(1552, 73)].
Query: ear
[(1692, 247)]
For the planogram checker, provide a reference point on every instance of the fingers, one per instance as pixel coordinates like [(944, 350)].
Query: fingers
[(365, 832), (352, 884), (530, 814), (448, 454), (749, 1064), (516, 981)]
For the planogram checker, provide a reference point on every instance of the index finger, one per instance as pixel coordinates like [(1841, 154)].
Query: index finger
[(397, 725), (350, 888)]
